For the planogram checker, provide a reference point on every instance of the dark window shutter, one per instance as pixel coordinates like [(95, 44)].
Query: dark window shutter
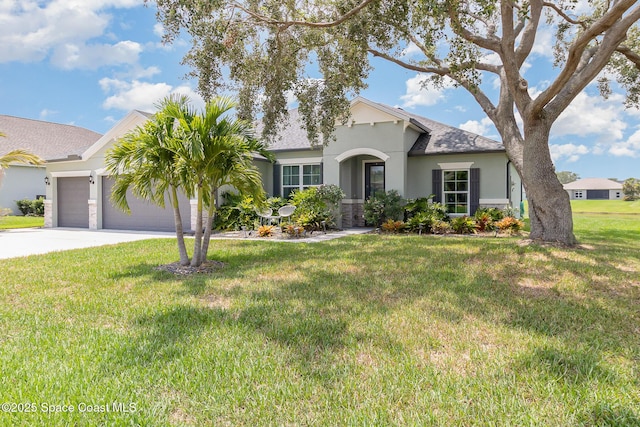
[(321, 173), (436, 182), (474, 191), (277, 181)]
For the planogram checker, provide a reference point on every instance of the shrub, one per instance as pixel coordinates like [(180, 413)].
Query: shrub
[(510, 224), (37, 206), (494, 213), (266, 230), (31, 207), (383, 206), (293, 230), (314, 206), (391, 226), (483, 220), (440, 227), (422, 213), (238, 211), (24, 206), (463, 225)]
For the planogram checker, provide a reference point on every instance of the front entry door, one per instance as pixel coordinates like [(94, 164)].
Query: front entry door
[(373, 179)]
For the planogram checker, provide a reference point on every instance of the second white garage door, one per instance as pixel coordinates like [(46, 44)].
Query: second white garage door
[(144, 216)]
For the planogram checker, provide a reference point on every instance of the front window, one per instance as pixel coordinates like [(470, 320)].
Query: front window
[(578, 195), (299, 177), (456, 191)]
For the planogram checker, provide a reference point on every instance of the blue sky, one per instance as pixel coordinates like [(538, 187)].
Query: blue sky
[(89, 62)]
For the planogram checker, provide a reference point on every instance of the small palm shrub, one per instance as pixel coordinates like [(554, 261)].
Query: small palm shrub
[(421, 213), (463, 225), (510, 224)]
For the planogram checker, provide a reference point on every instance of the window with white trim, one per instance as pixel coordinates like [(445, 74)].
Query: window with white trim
[(578, 195), (455, 191), (299, 177)]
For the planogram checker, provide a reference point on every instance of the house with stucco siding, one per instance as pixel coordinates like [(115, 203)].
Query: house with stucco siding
[(379, 148), (49, 141)]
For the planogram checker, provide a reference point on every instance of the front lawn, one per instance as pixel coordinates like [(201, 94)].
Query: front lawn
[(605, 206), (7, 222), (366, 330)]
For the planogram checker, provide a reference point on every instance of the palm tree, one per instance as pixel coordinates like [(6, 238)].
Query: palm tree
[(215, 151), (17, 156), (144, 162)]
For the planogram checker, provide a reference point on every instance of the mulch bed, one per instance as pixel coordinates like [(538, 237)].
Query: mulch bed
[(186, 270)]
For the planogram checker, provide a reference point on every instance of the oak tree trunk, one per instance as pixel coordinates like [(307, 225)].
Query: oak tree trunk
[(549, 204)]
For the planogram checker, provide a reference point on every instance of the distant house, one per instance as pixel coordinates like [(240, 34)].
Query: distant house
[(594, 189), (381, 148), (47, 140)]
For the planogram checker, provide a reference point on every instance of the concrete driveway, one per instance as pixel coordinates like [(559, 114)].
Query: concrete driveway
[(31, 241)]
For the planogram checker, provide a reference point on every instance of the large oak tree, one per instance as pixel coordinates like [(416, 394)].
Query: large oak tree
[(264, 48)]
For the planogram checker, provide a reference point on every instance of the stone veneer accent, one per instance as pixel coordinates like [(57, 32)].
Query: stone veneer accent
[(48, 213), (93, 214), (352, 214)]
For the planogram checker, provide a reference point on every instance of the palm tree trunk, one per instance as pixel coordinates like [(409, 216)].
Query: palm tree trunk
[(182, 248), (197, 245), (207, 232)]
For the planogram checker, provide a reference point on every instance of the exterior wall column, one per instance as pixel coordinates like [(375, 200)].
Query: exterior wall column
[(93, 214), (48, 213)]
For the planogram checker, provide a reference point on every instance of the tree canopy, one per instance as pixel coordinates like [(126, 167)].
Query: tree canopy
[(566, 177), (263, 48)]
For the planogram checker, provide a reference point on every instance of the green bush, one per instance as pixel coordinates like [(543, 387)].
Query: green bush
[(422, 213), (238, 211), (312, 209), (30, 207), (463, 225), (383, 206)]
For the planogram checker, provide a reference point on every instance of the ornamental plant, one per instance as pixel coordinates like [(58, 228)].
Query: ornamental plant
[(510, 225)]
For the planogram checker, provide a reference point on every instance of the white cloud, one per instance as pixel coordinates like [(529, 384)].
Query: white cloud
[(628, 148), (137, 95), (46, 113), (71, 56), (482, 127), (411, 50), (570, 152), (592, 116), (421, 92), (32, 30)]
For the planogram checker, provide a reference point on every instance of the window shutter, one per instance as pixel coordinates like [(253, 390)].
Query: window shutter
[(277, 181), (321, 173), (474, 191), (436, 182)]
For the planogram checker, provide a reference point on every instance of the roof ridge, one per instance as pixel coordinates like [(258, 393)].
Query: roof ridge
[(48, 122)]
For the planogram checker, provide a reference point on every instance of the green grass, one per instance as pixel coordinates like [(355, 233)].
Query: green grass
[(7, 222), (366, 330), (605, 206)]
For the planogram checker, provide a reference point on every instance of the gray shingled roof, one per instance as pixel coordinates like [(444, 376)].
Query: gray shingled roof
[(593, 184), (47, 140), (439, 139), (291, 137)]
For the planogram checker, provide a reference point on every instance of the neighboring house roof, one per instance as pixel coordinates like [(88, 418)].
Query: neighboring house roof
[(593, 184), (435, 137), (47, 140)]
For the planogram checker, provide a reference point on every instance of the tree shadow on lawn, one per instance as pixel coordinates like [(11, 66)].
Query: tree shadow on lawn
[(311, 312)]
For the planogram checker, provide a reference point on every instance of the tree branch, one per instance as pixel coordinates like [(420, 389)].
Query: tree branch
[(529, 33), (629, 54), (564, 16), (286, 24), (577, 49), (594, 61), (483, 42)]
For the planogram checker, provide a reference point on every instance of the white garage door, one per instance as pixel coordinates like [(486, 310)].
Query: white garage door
[(73, 202), (144, 216)]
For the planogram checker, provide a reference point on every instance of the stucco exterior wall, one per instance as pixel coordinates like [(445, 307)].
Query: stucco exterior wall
[(498, 179), (21, 182)]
